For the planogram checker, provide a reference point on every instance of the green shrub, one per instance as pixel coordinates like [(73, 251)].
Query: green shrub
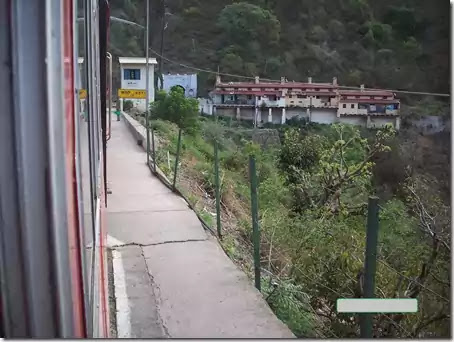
[(127, 105)]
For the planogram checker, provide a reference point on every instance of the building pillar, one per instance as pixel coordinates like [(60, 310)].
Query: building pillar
[(214, 110), (309, 114), (258, 116), (238, 113), (121, 105), (270, 115), (397, 123), (283, 118), (368, 122)]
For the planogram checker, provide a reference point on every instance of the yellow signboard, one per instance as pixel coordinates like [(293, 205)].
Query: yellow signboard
[(82, 93), (132, 94)]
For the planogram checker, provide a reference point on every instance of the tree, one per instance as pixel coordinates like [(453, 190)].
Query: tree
[(334, 176), (175, 107), (243, 23)]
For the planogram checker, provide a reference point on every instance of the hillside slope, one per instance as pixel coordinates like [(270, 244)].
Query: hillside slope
[(389, 43)]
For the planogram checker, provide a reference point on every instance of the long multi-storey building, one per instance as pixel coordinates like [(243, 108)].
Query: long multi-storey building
[(326, 103)]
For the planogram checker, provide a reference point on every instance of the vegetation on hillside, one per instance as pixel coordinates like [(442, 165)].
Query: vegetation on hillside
[(390, 43), (313, 191), (313, 187)]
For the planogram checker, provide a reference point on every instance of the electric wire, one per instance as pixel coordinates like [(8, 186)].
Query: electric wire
[(409, 92)]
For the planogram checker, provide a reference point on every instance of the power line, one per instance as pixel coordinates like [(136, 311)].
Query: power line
[(278, 81)]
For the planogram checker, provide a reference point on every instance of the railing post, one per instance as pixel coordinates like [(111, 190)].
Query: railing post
[(177, 159), (370, 264), (153, 150), (217, 185), (255, 222)]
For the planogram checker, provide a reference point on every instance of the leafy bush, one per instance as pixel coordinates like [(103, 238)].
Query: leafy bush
[(127, 105), (175, 107)]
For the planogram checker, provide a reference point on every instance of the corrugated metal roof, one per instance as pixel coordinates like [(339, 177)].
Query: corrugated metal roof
[(136, 60), (366, 93), (246, 92), (371, 101)]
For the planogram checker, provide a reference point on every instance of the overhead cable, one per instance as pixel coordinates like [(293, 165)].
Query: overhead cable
[(278, 81)]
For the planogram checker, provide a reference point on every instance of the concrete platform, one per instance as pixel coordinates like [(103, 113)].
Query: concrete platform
[(171, 278)]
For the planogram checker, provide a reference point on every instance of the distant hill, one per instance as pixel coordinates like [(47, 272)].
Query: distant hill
[(388, 43)]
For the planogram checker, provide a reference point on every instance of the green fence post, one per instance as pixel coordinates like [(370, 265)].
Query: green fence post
[(217, 185), (255, 221), (177, 159), (153, 149), (147, 124), (370, 264)]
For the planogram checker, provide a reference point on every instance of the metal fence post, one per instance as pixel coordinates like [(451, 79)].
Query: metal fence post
[(177, 159), (153, 150), (255, 222), (217, 185), (370, 264)]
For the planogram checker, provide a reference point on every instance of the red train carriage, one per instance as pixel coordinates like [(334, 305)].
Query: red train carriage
[(53, 269)]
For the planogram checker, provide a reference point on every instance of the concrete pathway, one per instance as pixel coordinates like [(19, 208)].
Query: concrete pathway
[(171, 278)]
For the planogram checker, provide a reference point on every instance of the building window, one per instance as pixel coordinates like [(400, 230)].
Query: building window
[(352, 106), (344, 105), (292, 102), (317, 97), (260, 97), (249, 97), (131, 74), (300, 96)]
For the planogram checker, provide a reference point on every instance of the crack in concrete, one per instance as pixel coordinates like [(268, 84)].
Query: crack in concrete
[(157, 294), (157, 243)]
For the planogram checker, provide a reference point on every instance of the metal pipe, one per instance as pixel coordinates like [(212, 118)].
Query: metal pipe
[(109, 57)]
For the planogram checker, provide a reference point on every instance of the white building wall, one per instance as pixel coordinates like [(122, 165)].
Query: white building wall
[(277, 116), (226, 112), (187, 81), (296, 112), (354, 120), (323, 116), (265, 99), (351, 108), (205, 106), (139, 84), (378, 122)]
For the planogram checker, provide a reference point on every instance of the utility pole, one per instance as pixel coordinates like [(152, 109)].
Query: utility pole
[(161, 60), (147, 78)]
